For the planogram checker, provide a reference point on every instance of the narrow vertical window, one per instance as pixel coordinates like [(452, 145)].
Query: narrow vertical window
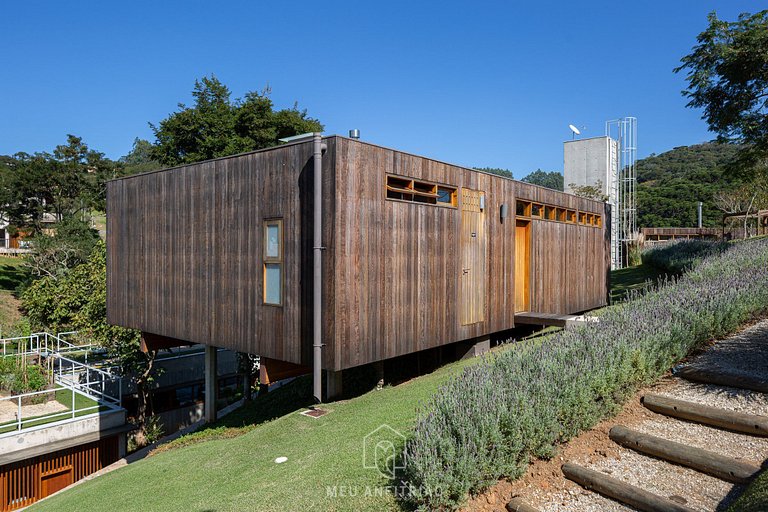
[(273, 262)]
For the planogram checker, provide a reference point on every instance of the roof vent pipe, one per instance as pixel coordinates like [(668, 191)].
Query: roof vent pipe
[(354, 134)]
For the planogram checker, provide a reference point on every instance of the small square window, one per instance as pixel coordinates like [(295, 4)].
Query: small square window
[(273, 262), (536, 210)]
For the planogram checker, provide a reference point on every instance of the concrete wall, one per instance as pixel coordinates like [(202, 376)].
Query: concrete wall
[(587, 161), (44, 435), (174, 372), (180, 418)]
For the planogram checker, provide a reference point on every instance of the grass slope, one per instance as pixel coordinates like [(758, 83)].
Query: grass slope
[(240, 473), (632, 278), (12, 274), (230, 465)]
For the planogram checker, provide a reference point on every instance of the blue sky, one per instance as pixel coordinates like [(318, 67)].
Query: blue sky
[(474, 83)]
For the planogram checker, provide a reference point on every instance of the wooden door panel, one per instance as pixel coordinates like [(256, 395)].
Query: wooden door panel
[(473, 258), (522, 266), (54, 482)]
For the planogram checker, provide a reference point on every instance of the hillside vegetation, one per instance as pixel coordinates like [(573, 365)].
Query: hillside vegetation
[(671, 184)]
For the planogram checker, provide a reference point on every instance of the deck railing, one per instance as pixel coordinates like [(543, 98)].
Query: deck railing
[(97, 388)]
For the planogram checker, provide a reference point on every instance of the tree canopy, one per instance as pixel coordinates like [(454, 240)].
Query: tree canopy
[(670, 185), (727, 74), (218, 126), (553, 179), (139, 159), (67, 182)]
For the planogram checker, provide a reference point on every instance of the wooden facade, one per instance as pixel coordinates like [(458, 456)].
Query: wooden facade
[(417, 253), (25, 482)]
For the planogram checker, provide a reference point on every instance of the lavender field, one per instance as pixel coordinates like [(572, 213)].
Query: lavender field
[(492, 419)]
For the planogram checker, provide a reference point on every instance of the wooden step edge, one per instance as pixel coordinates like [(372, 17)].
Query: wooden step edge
[(621, 491), (705, 461), (752, 424), (518, 504), (719, 378)]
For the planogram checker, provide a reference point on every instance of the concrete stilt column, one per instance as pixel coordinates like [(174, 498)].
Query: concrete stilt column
[(478, 348), (332, 384), (210, 383)]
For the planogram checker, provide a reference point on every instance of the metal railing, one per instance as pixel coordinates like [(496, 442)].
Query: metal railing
[(95, 382), (42, 343), (99, 387)]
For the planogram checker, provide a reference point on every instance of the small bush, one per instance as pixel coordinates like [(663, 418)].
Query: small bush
[(153, 430), (521, 403), (17, 380), (677, 257)]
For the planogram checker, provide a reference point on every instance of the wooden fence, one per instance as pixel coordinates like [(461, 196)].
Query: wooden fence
[(25, 482)]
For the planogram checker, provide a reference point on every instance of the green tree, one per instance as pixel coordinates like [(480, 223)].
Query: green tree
[(139, 159), (77, 300), (496, 170), (594, 192), (728, 78), (218, 126), (670, 185), (71, 243), (71, 181), (553, 179)]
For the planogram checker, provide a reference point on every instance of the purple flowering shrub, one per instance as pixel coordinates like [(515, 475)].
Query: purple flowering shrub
[(676, 257), (522, 402)]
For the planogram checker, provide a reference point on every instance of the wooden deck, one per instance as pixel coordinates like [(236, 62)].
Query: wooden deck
[(529, 318)]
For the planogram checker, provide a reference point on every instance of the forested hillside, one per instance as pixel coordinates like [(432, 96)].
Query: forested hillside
[(671, 184)]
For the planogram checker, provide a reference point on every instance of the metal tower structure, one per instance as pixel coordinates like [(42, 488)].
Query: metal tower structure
[(624, 130)]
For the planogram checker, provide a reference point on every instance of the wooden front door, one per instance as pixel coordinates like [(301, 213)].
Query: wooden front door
[(522, 265), (473, 257)]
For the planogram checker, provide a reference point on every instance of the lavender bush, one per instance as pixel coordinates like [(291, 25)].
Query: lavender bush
[(676, 257), (522, 402)]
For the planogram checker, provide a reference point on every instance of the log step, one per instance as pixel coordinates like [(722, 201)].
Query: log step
[(753, 424), (719, 466), (706, 376), (621, 491), (517, 504)]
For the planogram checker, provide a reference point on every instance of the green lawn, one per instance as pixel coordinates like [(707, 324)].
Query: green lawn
[(755, 498), (12, 273), (234, 468), (231, 465), (64, 397), (632, 278)]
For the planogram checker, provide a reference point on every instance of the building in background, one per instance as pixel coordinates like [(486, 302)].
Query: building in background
[(607, 163)]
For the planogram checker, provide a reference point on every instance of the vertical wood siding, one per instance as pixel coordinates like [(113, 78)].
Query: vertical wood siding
[(23, 483), (185, 254)]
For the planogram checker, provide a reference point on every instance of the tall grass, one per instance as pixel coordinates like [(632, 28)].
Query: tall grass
[(489, 422)]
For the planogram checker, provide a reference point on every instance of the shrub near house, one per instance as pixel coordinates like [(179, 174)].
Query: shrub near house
[(487, 423)]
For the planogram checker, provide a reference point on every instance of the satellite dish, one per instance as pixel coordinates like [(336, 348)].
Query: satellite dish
[(574, 129)]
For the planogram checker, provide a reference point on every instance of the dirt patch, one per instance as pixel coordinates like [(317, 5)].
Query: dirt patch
[(544, 476), (9, 409)]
